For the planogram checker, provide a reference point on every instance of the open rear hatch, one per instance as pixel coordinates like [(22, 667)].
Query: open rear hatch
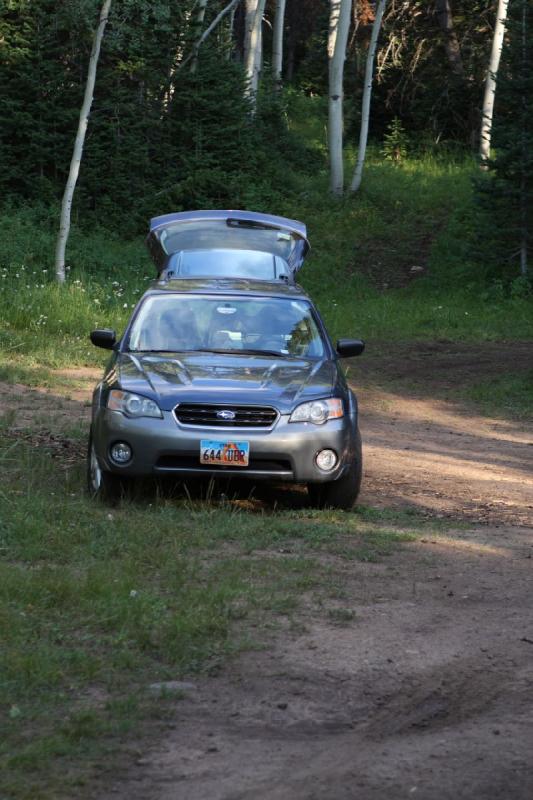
[(227, 244)]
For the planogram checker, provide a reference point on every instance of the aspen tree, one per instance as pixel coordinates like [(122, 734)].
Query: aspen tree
[(490, 83), (198, 24), (229, 9), (339, 24), (277, 42), (253, 45), (367, 93), (66, 205)]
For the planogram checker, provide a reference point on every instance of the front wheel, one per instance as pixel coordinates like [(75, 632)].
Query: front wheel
[(343, 492), (100, 483)]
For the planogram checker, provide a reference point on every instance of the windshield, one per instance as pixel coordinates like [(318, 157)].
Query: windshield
[(178, 323)]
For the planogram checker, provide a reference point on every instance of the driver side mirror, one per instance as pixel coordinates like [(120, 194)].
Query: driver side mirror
[(350, 347), (104, 337)]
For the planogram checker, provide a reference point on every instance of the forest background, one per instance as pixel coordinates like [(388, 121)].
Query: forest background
[(428, 248)]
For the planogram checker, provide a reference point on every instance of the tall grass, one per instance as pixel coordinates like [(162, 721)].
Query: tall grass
[(45, 323)]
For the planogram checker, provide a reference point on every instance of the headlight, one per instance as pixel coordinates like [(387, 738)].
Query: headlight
[(318, 411), (132, 405)]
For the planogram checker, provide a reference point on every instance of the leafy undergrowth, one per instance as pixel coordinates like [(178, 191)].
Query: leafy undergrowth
[(97, 603)]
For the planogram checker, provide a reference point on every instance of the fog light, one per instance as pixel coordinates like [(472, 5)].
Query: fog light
[(120, 452), (326, 460)]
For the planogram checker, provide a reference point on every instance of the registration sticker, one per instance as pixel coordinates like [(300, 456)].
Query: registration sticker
[(224, 454)]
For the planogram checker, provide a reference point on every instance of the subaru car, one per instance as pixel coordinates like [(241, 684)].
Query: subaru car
[(225, 368)]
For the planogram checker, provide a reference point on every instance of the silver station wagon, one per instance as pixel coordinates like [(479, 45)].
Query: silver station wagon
[(225, 367)]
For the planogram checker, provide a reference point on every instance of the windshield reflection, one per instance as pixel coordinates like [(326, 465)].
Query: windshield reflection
[(268, 326)]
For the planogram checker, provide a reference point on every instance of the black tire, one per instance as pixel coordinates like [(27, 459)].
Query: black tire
[(343, 492), (102, 484)]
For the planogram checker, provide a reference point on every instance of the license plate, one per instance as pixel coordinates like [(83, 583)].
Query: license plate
[(224, 454)]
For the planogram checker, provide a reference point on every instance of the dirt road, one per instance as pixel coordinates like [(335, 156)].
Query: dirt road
[(439, 456), (428, 694), (428, 691)]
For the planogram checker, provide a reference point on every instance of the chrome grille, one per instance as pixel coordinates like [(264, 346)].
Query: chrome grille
[(206, 415)]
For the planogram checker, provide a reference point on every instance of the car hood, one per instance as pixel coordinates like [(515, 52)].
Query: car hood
[(226, 379)]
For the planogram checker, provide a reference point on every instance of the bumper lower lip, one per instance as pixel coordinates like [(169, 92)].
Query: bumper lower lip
[(227, 472), (162, 447)]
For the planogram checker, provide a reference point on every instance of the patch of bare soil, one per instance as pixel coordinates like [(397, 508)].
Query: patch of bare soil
[(428, 691), (373, 259), (47, 418), (40, 408)]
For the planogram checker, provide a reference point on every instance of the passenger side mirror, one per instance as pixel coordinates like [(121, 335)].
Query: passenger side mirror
[(350, 347), (104, 337)]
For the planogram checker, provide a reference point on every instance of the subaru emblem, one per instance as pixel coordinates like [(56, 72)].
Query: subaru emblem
[(226, 414)]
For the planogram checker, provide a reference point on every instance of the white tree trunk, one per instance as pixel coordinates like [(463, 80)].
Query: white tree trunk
[(277, 42), (253, 45), (367, 94), (231, 25), (66, 205), (198, 24), (490, 83), (339, 25), (250, 7)]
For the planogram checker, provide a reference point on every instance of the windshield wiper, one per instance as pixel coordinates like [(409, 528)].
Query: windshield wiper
[(239, 352), (221, 350), (258, 224), (161, 350)]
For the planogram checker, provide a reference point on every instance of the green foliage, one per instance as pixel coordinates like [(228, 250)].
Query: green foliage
[(395, 142), (306, 63), (416, 79), (41, 89), (159, 138)]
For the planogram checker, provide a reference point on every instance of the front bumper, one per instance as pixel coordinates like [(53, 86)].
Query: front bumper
[(164, 447)]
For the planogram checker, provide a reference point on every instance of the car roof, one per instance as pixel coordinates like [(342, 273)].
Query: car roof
[(221, 286)]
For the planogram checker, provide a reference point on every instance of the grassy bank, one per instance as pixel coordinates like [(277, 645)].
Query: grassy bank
[(392, 263)]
